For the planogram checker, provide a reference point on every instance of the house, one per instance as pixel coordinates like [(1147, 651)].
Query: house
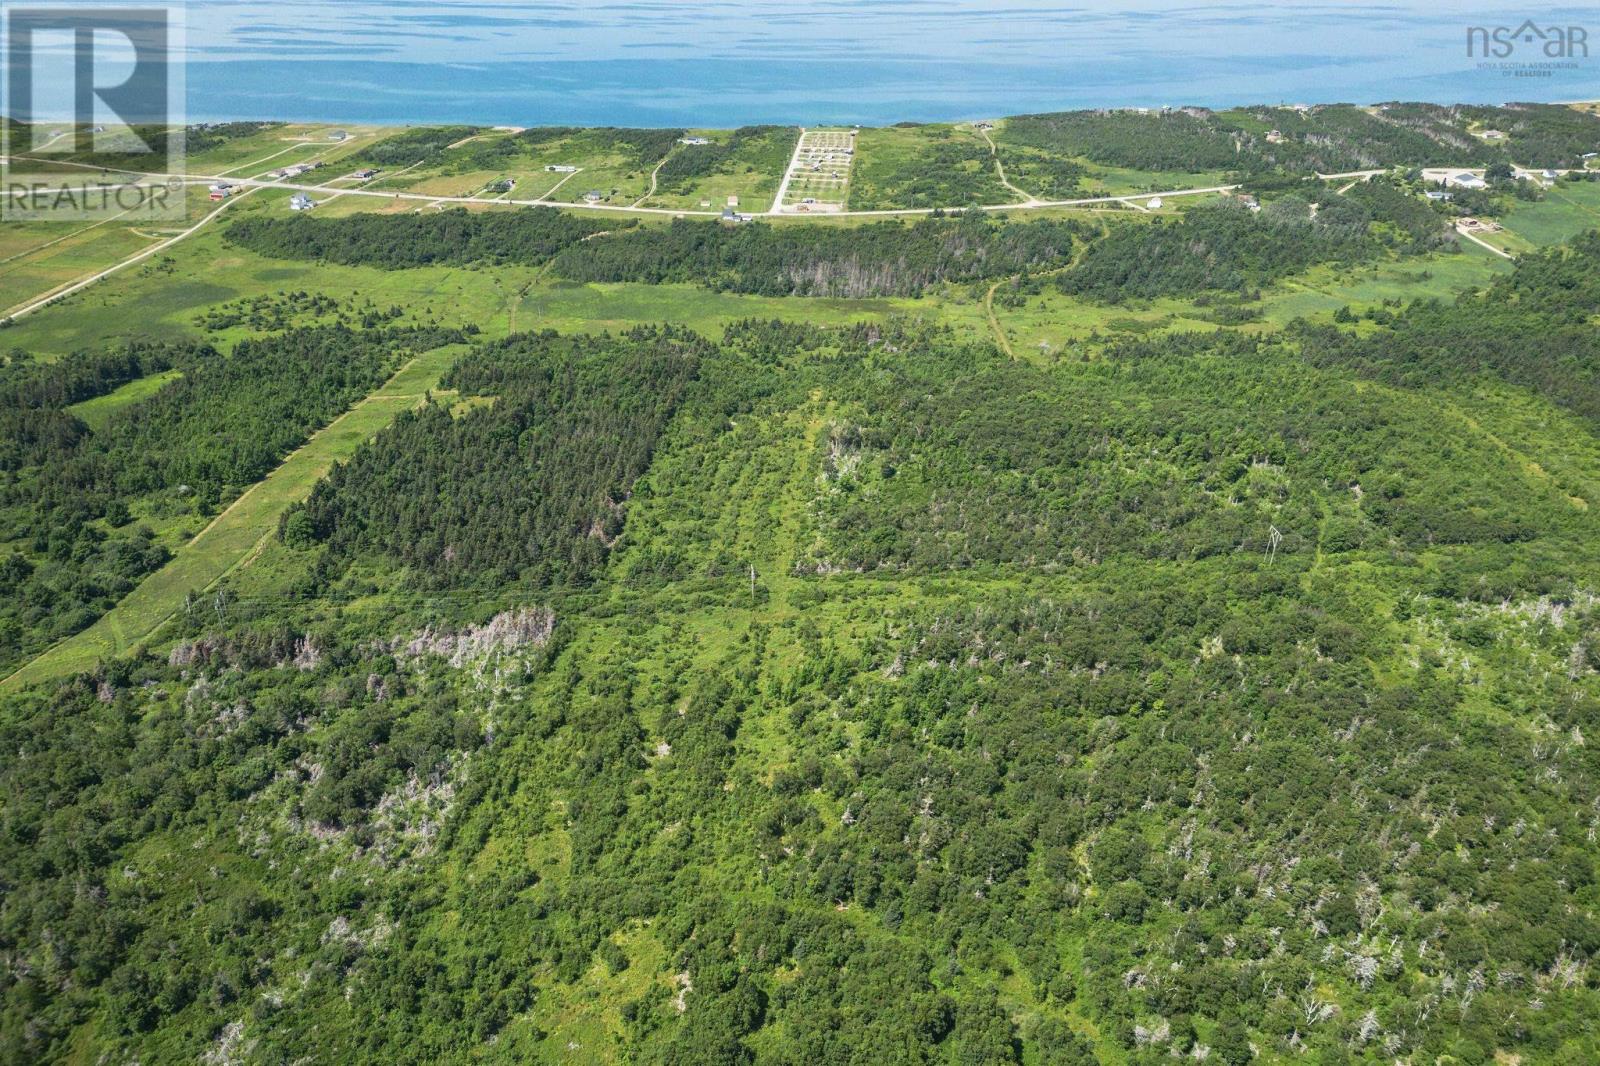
[(1440, 197), (594, 196), (733, 201), (366, 174), (561, 168), (1274, 136), (1550, 175), (1493, 135), (1155, 203), (694, 141), (1466, 180), (301, 202), (338, 136)]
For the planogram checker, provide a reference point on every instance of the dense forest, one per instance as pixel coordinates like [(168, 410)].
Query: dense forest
[(519, 490), (1226, 247), (529, 235), (1534, 328), (879, 259)]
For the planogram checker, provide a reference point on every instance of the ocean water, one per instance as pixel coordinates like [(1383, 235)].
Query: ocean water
[(730, 62)]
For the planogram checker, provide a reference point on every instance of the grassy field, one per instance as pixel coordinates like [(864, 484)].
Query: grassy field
[(231, 538), (1567, 210), (96, 412)]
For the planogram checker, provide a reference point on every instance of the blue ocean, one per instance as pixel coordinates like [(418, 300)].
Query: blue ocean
[(732, 62)]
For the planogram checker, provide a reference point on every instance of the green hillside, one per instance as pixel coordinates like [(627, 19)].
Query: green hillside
[(1104, 636)]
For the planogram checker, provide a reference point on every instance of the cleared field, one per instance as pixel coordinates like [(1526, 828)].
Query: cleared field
[(570, 307), (37, 273), (229, 540)]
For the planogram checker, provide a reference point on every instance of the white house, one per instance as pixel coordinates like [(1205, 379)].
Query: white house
[(561, 168), (301, 202), (694, 140), (1466, 180)]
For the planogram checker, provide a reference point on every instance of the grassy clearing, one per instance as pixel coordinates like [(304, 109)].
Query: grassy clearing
[(231, 538), (1566, 211), (97, 412), (1102, 180), (46, 269), (576, 308)]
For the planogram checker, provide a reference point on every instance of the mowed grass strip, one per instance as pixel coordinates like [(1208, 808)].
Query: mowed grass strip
[(232, 538)]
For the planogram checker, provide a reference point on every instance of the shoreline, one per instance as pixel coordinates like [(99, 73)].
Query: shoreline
[(222, 119)]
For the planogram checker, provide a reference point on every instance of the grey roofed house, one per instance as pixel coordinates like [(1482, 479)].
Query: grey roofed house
[(301, 202), (594, 196)]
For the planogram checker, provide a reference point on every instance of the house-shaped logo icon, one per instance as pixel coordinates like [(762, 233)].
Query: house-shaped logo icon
[(1552, 42)]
